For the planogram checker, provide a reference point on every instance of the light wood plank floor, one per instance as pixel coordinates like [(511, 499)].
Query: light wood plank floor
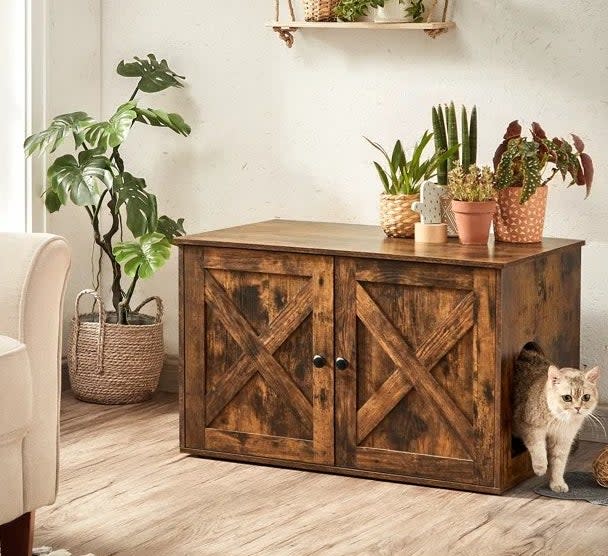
[(126, 489)]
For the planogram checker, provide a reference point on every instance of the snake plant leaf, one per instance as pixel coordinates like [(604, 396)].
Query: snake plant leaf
[(144, 255), (141, 206), (49, 139), (110, 134), (158, 118), (170, 228), (80, 179), (154, 75)]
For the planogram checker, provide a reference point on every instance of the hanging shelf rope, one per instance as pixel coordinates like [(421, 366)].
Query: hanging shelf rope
[(286, 30)]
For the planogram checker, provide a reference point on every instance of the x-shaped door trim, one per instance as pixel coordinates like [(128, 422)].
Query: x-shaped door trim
[(414, 368), (257, 350)]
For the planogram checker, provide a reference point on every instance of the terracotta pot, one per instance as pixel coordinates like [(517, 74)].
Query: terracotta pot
[(473, 220), (520, 223), (396, 215)]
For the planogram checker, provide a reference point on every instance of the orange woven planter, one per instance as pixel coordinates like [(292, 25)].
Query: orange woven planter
[(396, 215), (320, 10), (520, 223)]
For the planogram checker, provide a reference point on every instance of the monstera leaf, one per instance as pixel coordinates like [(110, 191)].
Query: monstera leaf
[(110, 134), (159, 118), (142, 214), (170, 228), (154, 76), (144, 255), (78, 179), (61, 126)]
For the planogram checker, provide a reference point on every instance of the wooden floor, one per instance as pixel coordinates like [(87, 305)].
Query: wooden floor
[(126, 489)]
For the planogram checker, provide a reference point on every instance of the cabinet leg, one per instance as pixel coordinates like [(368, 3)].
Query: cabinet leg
[(17, 537)]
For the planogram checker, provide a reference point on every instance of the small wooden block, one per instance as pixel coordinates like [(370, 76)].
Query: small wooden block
[(431, 233)]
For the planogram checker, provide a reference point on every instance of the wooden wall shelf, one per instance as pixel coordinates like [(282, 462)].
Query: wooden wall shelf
[(428, 26), (286, 29)]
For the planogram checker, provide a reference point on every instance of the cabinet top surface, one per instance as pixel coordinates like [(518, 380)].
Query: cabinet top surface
[(357, 240)]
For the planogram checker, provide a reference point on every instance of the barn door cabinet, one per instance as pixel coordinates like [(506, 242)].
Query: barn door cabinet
[(331, 348)]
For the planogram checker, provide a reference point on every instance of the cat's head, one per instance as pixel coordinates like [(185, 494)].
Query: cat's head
[(571, 392)]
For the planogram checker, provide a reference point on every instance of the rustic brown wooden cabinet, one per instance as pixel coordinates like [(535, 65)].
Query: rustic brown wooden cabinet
[(330, 347)]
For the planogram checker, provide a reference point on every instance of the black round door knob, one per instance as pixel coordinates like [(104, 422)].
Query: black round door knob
[(318, 361), (341, 364)]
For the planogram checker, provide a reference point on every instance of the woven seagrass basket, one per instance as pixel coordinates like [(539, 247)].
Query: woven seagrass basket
[(396, 215), (113, 363), (320, 10)]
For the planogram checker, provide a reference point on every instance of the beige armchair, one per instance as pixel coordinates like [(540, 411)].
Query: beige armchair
[(33, 271)]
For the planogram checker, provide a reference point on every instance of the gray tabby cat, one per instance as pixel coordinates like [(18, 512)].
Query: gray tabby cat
[(550, 405)]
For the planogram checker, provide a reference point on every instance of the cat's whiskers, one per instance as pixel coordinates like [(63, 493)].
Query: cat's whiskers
[(595, 420)]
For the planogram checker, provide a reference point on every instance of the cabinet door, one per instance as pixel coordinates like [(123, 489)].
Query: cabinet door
[(417, 397), (263, 317)]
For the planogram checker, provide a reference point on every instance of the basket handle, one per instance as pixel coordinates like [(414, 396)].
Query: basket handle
[(76, 329), (159, 307)]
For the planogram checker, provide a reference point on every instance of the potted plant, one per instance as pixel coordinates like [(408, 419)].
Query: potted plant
[(115, 357), (353, 10), (401, 182), (473, 202), (521, 165), (445, 131), (397, 11)]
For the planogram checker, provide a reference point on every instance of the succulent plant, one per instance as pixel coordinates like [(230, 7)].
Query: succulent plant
[(445, 128), (472, 184), (522, 161)]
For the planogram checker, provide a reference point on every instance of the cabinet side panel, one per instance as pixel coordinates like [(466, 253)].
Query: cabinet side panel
[(193, 342), (540, 303)]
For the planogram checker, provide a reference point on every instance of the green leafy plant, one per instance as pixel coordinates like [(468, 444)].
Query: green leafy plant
[(522, 161), (404, 177), (445, 129), (352, 10), (472, 185), (415, 10), (96, 180)]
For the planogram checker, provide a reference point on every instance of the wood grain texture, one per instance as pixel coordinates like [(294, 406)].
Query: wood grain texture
[(324, 238), (539, 303), (148, 498)]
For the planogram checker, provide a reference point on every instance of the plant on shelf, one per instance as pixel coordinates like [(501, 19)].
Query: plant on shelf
[(415, 10), (473, 202), (353, 10), (401, 182), (524, 166), (115, 200)]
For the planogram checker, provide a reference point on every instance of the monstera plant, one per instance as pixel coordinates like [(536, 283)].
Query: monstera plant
[(95, 178)]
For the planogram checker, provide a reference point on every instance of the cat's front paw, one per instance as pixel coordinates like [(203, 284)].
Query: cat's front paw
[(559, 486), (540, 468)]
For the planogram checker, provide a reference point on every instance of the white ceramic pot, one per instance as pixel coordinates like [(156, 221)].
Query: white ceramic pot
[(393, 12)]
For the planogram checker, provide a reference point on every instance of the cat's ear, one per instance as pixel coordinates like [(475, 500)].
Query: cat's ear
[(554, 374), (592, 374)]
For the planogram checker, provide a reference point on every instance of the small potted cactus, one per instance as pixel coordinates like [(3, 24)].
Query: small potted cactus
[(473, 202), (445, 131), (402, 181), (520, 164)]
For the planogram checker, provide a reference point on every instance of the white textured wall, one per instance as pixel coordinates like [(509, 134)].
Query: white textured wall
[(73, 71), (277, 132)]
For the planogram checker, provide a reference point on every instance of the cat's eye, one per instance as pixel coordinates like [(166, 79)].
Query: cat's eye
[(567, 398), (586, 397)]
